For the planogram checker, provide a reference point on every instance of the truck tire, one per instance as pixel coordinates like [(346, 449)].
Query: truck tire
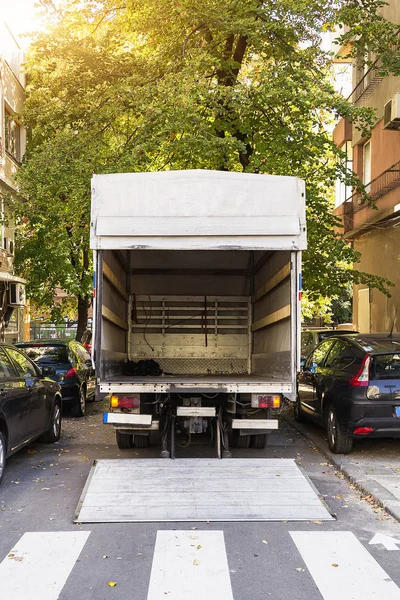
[(141, 441), (124, 440), (259, 441), (240, 441), (338, 441)]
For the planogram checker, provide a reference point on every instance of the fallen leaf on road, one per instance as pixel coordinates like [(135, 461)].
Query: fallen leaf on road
[(45, 489), (299, 569), (318, 522), (193, 537), (106, 556), (264, 542), (196, 562), (199, 547), (112, 583), (335, 565)]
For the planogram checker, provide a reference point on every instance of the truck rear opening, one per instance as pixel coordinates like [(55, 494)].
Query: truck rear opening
[(197, 303)]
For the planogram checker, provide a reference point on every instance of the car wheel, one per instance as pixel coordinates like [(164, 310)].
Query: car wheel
[(2, 455), (79, 409), (258, 441), (54, 431), (141, 441), (298, 413), (124, 440), (338, 441)]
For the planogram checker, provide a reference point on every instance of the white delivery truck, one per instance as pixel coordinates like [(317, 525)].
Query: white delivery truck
[(197, 303)]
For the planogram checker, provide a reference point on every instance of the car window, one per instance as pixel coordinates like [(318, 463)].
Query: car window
[(6, 367), (385, 366), (23, 365), (317, 357), (47, 354), (338, 351)]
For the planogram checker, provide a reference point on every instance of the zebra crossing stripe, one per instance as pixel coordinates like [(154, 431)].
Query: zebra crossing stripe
[(190, 565), (39, 565), (342, 568)]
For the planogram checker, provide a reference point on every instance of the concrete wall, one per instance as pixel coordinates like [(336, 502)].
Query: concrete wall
[(380, 255)]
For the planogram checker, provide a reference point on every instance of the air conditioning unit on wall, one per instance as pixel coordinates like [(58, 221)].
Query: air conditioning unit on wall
[(16, 294), (391, 113)]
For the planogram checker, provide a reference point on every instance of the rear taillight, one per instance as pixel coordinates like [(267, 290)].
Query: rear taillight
[(362, 430), (70, 373), (362, 377), (125, 402), (265, 401)]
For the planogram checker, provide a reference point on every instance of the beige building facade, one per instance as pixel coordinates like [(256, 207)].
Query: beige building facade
[(12, 147), (374, 231)]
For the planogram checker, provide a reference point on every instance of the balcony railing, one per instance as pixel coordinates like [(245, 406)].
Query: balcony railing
[(386, 182), (368, 82)]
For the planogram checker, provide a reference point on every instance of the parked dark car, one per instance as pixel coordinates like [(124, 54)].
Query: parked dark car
[(350, 384), (74, 370), (30, 403)]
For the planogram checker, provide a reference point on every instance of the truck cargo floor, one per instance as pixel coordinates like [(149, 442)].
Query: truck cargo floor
[(198, 489)]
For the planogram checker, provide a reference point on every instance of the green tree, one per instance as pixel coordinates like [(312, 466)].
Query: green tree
[(237, 85)]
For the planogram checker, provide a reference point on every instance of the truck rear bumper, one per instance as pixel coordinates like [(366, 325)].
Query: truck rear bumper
[(202, 384), (251, 424)]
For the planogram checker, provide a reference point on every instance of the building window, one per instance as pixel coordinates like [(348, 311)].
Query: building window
[(367, 166), (12, 136), (343, 191)]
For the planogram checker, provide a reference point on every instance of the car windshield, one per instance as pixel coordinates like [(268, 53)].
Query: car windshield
[(48, 354), (385, 366)]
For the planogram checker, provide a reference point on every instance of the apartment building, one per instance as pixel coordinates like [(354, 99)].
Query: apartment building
[(12, 147), (374, 231)]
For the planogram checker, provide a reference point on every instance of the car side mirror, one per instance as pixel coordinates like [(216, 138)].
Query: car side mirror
[(48, 371)]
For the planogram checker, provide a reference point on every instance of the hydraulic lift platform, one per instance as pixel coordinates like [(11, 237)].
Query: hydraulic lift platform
[(198, 489)]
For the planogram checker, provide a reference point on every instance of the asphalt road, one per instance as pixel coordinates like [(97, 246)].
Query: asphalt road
[(249, 560)]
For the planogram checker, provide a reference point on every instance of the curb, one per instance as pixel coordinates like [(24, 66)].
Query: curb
[(382, 497)]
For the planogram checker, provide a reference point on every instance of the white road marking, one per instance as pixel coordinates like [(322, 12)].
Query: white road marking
[(342, 568), (39, 565), (190, 565), (385, 540)]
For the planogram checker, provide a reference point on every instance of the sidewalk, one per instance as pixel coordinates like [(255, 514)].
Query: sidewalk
[(373, 465)]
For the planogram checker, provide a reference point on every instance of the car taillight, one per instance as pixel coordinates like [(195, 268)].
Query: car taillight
[(125, 402), (362, 377), (363, 430), (265, 401), (70, 373)]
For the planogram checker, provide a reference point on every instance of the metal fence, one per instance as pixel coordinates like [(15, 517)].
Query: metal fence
[(54, 331)]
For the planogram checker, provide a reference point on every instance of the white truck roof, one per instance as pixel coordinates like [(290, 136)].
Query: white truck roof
[(197, 209)]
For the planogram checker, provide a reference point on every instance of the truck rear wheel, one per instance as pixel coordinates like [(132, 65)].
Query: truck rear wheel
[(124, 440), (240, 441), (259, 440), (141, 441)]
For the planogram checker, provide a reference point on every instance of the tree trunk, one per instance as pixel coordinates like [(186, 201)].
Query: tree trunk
[(83, 311)]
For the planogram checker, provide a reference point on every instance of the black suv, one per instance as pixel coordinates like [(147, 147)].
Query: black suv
[(350, 384)]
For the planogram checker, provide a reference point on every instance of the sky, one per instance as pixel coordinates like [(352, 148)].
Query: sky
[(20, 16)]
